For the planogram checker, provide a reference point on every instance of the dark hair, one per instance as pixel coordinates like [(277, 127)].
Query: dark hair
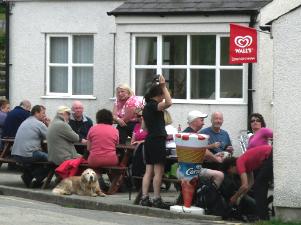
[(104, 116), (155, 90), (36, 109), (259, 116), (3, 102), (228, 163)]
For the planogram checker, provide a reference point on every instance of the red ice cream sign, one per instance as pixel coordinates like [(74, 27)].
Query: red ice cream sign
[(243, 44)]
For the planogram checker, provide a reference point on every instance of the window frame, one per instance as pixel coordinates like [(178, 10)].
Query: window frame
[(70, 65), (217, 67)]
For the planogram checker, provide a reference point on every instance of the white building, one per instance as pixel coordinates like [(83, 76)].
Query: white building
[(66, 50), (72, 49)]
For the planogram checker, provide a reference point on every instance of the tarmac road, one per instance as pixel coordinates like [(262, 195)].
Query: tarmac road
[(14, 211)]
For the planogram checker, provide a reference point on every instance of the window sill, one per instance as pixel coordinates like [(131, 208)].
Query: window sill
[(88, 97)]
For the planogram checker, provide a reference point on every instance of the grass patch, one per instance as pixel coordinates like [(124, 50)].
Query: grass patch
[(276, 222)]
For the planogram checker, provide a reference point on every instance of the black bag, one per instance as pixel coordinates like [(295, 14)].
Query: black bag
[(138, 165), (210, 199)]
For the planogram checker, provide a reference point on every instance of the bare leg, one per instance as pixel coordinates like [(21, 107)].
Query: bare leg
[(149, 171), (159, 171), (218, 176)]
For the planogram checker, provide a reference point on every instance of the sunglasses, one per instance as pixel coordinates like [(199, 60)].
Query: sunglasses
[(256, 120)]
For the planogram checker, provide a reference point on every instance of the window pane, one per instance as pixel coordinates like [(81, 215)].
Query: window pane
[(224, 50), (82, 83), (203, 49), (231, 84), (146, 51), (59, 79), (202, 84), (176, 82), (83, 49), (174, 50), (144, 78), (58, 50)]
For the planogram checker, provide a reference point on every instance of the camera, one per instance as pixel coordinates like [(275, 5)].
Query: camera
[(156, 79)]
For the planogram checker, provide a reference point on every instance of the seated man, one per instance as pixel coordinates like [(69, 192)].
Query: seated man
[(217, 134), (14, 119), (258, 158), (196, 122), (79, 122), (27, 147), (61, 138)]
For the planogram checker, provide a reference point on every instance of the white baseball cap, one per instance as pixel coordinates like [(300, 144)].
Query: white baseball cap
[(192, 115)]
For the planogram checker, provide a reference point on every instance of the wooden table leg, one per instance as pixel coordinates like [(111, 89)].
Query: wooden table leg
[(5, 151), (117, 181)]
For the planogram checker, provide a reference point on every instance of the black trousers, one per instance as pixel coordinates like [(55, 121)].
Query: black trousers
[(261, 185), (126, 131)]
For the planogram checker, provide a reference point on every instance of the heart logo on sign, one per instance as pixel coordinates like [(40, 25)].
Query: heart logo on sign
[(243, 42)]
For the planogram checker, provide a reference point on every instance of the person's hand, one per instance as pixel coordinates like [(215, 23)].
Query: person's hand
[(46, 121), (84, 141), (229, 149), (220, 154), (233, 200), (216, 144), (162, 80), (121, 122), (137, 142)]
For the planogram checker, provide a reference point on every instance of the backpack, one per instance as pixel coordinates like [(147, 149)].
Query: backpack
[(211, 200)]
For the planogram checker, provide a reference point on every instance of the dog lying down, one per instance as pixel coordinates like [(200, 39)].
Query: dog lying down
[(86, 184)]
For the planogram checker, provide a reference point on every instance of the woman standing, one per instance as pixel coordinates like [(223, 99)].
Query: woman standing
[(261, 134), (124, 111), (102, 141), (155, 150)]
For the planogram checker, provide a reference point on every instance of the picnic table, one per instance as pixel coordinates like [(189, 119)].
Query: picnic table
[(117, 173)]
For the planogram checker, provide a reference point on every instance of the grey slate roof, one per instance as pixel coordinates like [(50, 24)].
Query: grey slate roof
[(188, 7)]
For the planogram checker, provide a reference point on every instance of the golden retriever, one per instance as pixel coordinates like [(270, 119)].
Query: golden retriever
[(86, 184)]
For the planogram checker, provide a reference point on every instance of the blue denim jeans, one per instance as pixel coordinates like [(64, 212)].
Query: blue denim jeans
[(39, 172)]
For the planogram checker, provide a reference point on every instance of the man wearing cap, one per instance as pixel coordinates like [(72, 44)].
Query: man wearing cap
[(196, 122), (61, 138), (217, 134)]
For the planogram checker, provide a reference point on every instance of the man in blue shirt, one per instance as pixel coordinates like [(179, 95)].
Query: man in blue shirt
[(217, 134)]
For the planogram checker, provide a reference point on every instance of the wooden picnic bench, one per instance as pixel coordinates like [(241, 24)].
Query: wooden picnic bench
[(118, 173)]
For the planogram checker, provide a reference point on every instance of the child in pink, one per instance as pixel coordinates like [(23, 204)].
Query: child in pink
[(102, 141)]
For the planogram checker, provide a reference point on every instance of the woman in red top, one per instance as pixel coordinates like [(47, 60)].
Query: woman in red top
[(102, 141)]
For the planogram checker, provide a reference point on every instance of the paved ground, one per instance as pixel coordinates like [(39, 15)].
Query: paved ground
[(28, 212), (11, 185)]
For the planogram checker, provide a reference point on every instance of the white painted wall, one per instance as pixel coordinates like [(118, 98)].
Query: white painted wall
[(277, 8), (31, 21), (287, 128), (235, 115)]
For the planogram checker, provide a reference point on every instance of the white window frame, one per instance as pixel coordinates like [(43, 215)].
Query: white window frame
[(188, 68), (70, 65)]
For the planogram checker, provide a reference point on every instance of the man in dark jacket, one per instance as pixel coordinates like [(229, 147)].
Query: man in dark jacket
[(79, 122), (15, 118)]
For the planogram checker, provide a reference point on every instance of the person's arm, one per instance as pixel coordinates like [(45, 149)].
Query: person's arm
[(209, 156), (168, 102), (88, 145), (67, 133), (129, 114), (116, 119), (243, 189)]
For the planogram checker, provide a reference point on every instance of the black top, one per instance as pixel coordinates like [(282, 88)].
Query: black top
[(189, 7), (189, 130), (154, 119), (81, 127)]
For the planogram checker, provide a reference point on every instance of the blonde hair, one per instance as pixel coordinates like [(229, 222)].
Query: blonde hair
[(125, 87), (167, 118)]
